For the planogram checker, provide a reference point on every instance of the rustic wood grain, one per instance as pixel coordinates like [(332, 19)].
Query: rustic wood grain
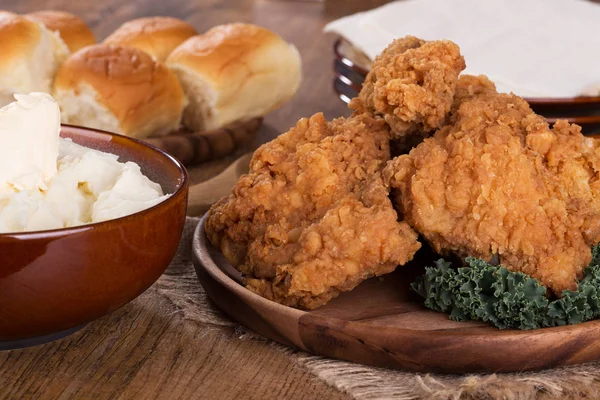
[(147, 350), (383, 323)]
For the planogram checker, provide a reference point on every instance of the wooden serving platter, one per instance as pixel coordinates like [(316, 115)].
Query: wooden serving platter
[(383, 323)]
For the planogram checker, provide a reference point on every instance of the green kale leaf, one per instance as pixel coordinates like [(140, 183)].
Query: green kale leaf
[(483, 292)]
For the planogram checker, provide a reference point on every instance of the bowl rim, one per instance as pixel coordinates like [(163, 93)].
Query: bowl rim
[(539, 101), (181, 187)]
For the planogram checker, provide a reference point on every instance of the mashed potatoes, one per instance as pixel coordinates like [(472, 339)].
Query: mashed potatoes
[(87, 185)]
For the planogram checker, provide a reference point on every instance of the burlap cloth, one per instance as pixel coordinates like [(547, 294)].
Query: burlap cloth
[(180, 285)]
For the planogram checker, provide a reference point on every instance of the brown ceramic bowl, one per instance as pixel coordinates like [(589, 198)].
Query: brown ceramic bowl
[(52, 282)]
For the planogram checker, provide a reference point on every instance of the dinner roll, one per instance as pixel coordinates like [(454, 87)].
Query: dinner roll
[(234, 72), (119, 89), (30, 55), (157, 36), (72, 29)]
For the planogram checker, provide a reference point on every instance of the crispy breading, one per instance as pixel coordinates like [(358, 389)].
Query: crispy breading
[(412, 84), (313, 218), (499, 181), (469, 87)]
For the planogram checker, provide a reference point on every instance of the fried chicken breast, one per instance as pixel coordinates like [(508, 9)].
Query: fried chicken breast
[(411, 85), (313, 217), (498, 181)]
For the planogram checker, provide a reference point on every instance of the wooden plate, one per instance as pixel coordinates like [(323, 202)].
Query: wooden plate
[(383, 323)]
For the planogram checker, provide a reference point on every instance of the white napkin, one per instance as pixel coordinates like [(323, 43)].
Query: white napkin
[(534, 48)]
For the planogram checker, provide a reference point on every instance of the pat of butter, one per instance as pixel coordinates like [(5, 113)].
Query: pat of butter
[(29, 132)]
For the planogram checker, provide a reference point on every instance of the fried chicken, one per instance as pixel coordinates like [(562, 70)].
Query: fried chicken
[(469, 87), (411, 85), (498, 181), (313, 217)]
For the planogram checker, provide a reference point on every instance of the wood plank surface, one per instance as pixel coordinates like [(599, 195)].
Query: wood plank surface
[(147, 349)]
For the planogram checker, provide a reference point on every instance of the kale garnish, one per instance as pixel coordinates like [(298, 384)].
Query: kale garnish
[(506, 299)]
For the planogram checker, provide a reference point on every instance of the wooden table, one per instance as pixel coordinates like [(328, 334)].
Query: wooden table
[(147, 349)]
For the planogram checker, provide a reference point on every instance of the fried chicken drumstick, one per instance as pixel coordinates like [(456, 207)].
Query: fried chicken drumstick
[(313, 218)]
